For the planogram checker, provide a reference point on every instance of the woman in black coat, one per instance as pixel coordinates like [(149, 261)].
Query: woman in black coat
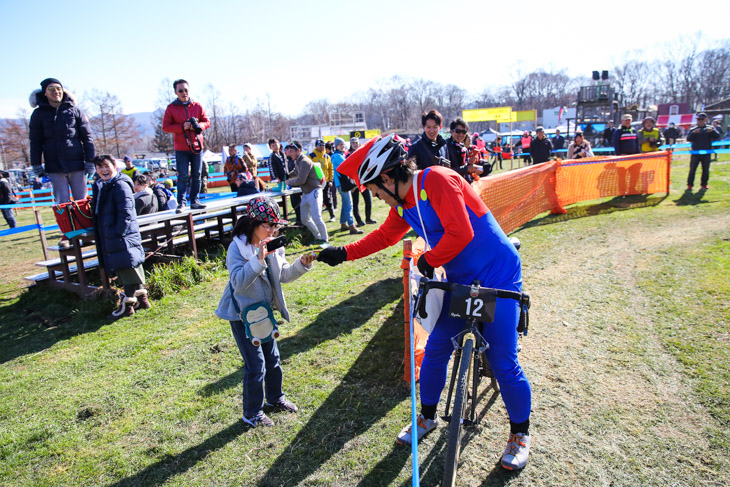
[(117, 229)]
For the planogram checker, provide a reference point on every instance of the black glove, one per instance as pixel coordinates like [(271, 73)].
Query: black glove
[(425, 268), (332, 255)]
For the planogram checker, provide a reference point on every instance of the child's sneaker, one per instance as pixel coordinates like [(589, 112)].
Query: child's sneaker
[(425, 426), (284, 404), (259, 420), (517, 451)]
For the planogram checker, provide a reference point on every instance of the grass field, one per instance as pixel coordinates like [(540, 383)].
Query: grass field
[(627, 355)]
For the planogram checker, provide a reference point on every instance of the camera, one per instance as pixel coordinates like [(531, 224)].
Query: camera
[(196, 126)]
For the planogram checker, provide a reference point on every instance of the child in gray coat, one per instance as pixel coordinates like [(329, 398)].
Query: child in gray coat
[(254, 290)]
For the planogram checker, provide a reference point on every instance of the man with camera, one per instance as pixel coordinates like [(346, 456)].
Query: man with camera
[(186, 119), (648, 137)]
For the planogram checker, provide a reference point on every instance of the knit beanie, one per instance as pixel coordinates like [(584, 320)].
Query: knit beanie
[(48, 81)]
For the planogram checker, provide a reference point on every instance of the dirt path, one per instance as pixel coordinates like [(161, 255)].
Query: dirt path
[(611, 406)]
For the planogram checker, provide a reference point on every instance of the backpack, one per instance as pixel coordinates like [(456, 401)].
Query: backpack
[(163, 195)]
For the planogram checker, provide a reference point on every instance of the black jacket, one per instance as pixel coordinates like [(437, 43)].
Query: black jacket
[(278, 166), (671, 133), (427, 152), (116, 223), (540, 150), (62, 136), (558, 142), (145, 202), (702, 138)]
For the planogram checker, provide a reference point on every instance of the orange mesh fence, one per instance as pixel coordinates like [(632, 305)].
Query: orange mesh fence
[(598, 177), (516, 197)]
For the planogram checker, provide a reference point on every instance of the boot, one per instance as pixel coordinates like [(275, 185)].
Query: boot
[(126, 307), (343, 227), (142, 301), (354, 230)]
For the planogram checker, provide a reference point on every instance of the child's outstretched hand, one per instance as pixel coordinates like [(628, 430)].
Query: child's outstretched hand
[(309, 257)]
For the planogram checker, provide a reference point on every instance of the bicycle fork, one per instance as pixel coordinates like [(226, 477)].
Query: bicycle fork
[(477, 353)]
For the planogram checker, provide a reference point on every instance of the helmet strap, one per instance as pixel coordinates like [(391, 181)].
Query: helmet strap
[(379, 184)]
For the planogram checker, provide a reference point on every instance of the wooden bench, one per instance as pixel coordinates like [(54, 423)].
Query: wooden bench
[(163, 230)]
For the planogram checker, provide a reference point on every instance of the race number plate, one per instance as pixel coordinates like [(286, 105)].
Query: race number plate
[(467, 305)]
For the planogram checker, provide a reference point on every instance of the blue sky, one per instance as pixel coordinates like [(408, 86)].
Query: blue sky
[(294, 52)]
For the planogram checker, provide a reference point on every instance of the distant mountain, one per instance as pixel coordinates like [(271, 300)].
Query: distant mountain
[(144, 121)]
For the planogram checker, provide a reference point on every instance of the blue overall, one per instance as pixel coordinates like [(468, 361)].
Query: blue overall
[(492, 259)]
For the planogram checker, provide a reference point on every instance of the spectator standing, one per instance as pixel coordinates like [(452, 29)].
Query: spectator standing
[(320, 156), (625, 138), (186, 119), (61, 145), (579, 148), (255, 278), (116, 225), (366, 195), (129, 168), (496, 149), (701, 136), (277, 164), (608, 134), (671, 134), (7, 197), (525, 143), (305, 177), (329, 147), (648, 137), (540, 148), (558, 141), (234, 166), (145, 202), (458, 147), (431, 149), (344, 186)]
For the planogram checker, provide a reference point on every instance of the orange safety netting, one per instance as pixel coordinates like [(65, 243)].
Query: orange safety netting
[(516, 197)]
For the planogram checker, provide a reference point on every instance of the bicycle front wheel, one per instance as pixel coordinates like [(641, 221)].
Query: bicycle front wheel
[(457, 415)]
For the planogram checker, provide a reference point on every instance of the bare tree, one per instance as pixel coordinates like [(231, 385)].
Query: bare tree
[(162, 141), (115, 132), (14, 136)]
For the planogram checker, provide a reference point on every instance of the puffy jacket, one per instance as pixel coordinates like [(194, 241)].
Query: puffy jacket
[(145, 202), (624, 141), (176, 114), (116, 223), (540, 150), (233, 166), (326, 161), (427, 151), (702, 137), (62, 136)]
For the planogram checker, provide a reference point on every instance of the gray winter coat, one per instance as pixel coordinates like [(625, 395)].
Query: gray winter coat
[(250, 283)]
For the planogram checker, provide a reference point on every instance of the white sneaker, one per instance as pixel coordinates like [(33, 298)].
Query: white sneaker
[(517, 451), (425, 426)]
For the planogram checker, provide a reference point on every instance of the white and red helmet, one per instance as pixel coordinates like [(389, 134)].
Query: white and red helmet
[(374, 158)]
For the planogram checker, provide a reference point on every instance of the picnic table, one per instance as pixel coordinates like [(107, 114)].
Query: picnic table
[(161, 232)]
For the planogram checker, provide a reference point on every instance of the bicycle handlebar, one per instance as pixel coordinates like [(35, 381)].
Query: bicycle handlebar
[(522, 298)]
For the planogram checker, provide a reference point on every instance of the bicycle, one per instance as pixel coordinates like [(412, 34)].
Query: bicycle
[(476, 305)]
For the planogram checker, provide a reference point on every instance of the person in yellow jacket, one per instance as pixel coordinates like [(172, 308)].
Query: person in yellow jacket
[(320, 156), (649, 137)]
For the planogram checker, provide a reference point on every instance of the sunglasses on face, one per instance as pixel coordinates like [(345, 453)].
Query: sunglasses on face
[(460, 131), (182, 91)]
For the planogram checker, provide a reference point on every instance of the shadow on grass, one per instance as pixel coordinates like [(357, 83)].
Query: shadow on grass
[(43, 316), (619, 203), (689, 199), (160, 472), (366, 393), (329, 324)]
